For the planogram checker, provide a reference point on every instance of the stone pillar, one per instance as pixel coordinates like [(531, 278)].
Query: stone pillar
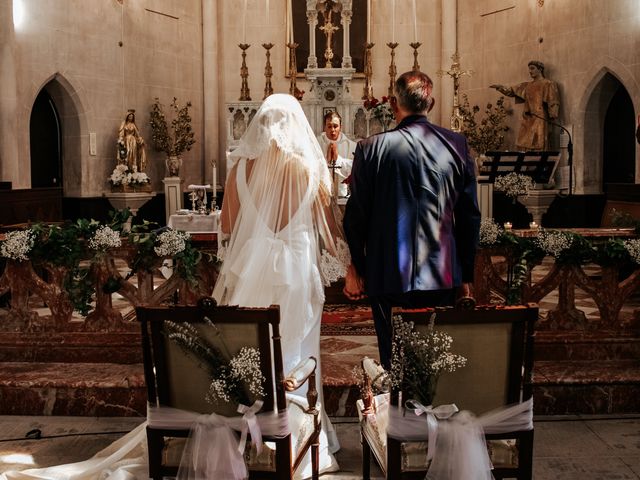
[(213, 148), (312, 21), (346, 47), (449, 47), (9, 156)]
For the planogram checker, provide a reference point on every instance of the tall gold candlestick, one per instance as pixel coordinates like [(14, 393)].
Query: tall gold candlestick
[(293, 71), (268, 71), (245, 94), (392, 68), (415, 46), (367, 92)]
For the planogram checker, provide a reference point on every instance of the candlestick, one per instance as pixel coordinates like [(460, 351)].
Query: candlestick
[(245, 94), (214, 183), (392, 68), (367, 92), (415, 46), (415, 24), (293, 71), (268, 71)]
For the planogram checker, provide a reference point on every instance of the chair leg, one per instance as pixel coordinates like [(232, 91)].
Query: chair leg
[(525, 456), (315, 460), (366, 459), (155, 444)]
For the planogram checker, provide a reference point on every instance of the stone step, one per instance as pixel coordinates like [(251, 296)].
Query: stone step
[(584, 346), (589, 387)]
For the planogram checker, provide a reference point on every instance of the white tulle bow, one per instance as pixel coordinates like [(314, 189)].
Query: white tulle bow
[(442, 412)]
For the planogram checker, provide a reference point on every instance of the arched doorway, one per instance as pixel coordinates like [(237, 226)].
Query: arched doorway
[(618, 146), (45, 142)]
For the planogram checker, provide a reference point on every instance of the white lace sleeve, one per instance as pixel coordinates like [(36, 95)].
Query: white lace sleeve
[(334, 267)]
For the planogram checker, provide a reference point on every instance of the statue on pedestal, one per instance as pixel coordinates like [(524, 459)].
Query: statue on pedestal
[(131, 144)]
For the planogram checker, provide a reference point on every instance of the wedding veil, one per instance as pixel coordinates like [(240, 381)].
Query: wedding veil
[(277, 210)]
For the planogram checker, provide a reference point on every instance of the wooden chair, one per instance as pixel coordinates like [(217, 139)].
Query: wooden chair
[(498, 345), (174, 379)]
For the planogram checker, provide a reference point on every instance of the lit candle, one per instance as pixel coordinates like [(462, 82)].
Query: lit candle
[(507, 225), (214, 183), (393, 21), (244, 22), (369, 21), (533, 225), (415, 23)]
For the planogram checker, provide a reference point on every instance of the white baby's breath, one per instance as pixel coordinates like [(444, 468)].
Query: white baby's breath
[(17, 244), (514, 184), (122, 176), (104, 238), (489, 231), (633, 247), (245, 366), (170, 243), (553, 243)]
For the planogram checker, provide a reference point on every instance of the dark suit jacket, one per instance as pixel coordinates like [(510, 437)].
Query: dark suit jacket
[(412, 221)]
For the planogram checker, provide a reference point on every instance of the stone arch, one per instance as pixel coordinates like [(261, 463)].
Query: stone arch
[(604, 78), (74, 128)]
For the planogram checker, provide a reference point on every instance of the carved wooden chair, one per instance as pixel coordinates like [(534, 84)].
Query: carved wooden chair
[(498, 345), (174, 379)]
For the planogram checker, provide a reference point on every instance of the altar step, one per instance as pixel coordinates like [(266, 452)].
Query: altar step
[(586, 373)]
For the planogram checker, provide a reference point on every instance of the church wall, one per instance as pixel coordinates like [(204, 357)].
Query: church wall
[(574, 39), (77, 42)]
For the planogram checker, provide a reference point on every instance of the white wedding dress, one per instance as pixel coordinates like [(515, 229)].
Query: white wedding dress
[(285, 242)]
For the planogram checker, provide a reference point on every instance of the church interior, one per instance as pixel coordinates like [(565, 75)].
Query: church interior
[(124, 113)]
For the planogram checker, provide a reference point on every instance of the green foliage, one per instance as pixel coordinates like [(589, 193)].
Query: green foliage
[(488, 133), (180, 139)]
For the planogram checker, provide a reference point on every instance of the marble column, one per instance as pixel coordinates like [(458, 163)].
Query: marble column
[(213, 147), (346, 47), (9, 156), (312, 20), (449, 47)]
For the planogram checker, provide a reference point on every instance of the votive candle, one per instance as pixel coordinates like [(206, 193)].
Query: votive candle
[(508, 226)]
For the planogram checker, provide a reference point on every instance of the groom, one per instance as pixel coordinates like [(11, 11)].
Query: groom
[(412, 221)]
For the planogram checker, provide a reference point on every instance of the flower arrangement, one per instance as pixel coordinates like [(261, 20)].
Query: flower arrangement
[(104, 238), (170, 243), (488, 133), (17, 245), (489, 231), (514, 185), (380, 109), (181, 139), (417, 360), (633, 249), (230, 378), (122, 176), (553, 243)]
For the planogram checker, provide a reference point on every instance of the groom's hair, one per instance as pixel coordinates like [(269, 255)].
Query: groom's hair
[(413, 91)]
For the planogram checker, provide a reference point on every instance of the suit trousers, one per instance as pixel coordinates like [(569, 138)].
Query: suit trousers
[(381, 306)]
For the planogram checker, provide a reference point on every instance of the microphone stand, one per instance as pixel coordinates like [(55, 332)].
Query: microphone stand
[(569, 145)]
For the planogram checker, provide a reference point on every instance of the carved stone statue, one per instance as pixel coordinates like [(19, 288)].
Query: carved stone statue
[(541, 102)]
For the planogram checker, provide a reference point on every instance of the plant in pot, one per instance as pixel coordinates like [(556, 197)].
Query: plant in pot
[(486, 134), (173, 140)]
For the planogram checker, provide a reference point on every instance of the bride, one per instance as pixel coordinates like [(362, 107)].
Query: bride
[(283, 244), (283, 239)]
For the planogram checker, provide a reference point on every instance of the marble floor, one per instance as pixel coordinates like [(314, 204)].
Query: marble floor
[(566, 448)]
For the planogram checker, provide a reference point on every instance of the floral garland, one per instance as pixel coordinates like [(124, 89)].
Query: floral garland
[(230, 379)]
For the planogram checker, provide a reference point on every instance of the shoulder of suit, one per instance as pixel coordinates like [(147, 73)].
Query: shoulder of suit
[(449, 134)]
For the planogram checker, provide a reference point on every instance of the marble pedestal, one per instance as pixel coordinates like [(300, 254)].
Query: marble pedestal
[(172, 195), (537, 203)]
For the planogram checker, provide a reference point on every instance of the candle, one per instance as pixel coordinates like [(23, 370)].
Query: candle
[(244, 22), (533, 225), (393, 21), (507, 225), (415, 23), (214, 183), (266, 4), (368, 21), (290, 22)]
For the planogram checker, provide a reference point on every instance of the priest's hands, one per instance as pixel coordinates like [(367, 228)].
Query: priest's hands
[(332, 153)]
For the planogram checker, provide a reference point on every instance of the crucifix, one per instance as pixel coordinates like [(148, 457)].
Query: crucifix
[(329, 29), (455, 73)]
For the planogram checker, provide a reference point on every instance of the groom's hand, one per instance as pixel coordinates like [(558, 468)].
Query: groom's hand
[(353, 285)]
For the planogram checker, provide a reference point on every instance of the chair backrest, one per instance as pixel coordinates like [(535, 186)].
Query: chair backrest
[(498, 345), (177, 379)]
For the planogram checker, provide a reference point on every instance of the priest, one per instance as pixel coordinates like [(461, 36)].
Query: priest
[(338, 150)]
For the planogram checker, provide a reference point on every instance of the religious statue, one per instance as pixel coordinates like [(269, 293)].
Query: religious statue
[(541, 104), (131, 145)]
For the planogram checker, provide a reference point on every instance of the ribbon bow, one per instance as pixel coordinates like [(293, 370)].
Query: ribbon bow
[(442, 412), (250, 424)]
